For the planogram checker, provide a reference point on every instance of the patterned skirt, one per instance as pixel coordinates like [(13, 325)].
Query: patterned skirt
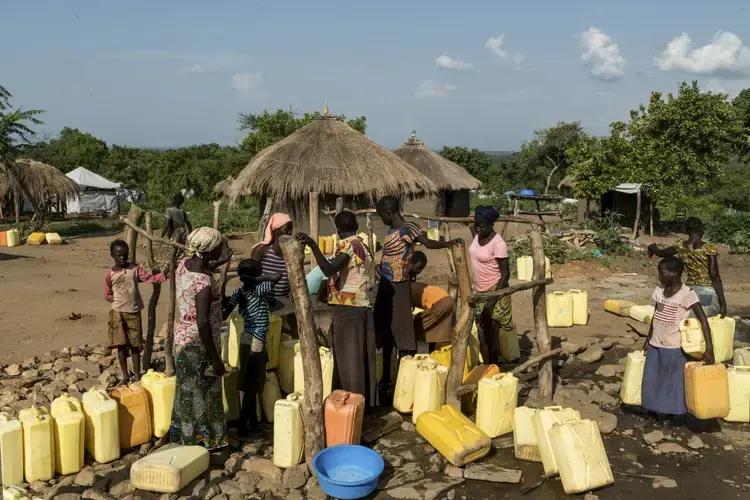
[(125, 329), (198, 414), (502, 314)]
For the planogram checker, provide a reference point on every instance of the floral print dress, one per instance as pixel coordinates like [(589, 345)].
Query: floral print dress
[(198, 414)]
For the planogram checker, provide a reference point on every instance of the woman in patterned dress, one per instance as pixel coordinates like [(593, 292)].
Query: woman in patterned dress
[(701, 261), (198, 414)]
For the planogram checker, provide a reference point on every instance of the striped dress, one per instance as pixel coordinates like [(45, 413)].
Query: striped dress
[(275, 263)]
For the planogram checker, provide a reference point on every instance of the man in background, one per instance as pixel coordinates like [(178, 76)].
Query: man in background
[(176, 218)]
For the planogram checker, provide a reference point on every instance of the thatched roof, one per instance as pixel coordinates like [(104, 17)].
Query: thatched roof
[(331, 158), (444, 173), (222, 188), (569, 181), (41, 180)]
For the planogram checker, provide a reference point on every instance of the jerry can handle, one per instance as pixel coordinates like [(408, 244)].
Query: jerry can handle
[(295, 396), (556, 408), (736, 368), (566, 421)]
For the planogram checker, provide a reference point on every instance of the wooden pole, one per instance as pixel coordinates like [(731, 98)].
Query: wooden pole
[(651, 217), (135, 215), (264, 219), (17, 205), (169, 342), (173, 244), (462, 330), (152, 302), (217, 207), (445, 231), (452, 220), (371, 235), (314, 215), (312, 403), (637, 213), (509, 290), (540, 314), (339, 204)]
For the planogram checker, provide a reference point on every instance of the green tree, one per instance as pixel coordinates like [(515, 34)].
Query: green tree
[(474, 161), (16, 131), (544, 158), (73, 149), (266, 129), (598, 162), (741, 105)]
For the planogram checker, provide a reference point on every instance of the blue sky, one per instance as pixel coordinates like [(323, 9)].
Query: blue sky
[(173, 73)]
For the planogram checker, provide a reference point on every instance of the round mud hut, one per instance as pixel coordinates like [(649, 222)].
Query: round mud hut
[(48, 187), (322, 161), (452, 181)]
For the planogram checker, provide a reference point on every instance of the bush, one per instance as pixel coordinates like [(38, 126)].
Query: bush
[(608, 235), (732, 229), (554, 249)]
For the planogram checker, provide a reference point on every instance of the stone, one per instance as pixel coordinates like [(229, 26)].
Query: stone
[(31, 361), (29, 374), (591, 355), (121, 488), (409, 473), (394, 460), (295, 495), (248, 483), (579, 400), (492, 473), (45, 367), (314, 492), (611, 388), (695, 443), (38, 486), (427, 489), (571, 347), (671, 448), (377, 427), (229, 487), (93, 494), (590, 496), (85, 477), (275, 488), (453, 471), (408, 427), (296, 477), (209, 492), (503, 442), (14, 370), (610, 370), (262, 467), (8, 398), (252, 447), (602, 398), (653, 437), (664, 482), (408, 455)]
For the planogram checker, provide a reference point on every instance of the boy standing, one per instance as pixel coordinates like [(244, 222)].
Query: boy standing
[(121, 290), (176, 218)]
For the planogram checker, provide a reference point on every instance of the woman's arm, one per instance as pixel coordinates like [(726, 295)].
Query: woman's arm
[(329, 268), (700, 315), (713, 270), (650, 333), (259, 252), (664, 252), (203, 315), (228, 304), (436, 245)]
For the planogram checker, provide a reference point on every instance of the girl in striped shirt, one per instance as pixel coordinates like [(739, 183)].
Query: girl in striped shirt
[(663, 387)]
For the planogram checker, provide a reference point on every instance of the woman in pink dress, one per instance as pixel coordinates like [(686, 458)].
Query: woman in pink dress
[(489, 261)]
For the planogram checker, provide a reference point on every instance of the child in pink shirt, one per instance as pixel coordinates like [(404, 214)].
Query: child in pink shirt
[(121, 290), (663, 389)]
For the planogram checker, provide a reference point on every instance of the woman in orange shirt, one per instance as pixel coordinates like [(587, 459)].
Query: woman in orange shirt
[(434, 324)]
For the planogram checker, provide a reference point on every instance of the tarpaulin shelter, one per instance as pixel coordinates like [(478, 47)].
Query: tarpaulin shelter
[(97, 193)]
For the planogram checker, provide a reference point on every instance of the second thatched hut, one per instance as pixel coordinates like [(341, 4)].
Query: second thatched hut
[(453, 182)]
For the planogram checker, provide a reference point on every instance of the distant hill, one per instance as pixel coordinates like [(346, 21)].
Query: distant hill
[(500, 153)]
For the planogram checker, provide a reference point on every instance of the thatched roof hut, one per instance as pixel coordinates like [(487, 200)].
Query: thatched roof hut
[(42, 181), (452, 180), (330, 158), (222, 188)]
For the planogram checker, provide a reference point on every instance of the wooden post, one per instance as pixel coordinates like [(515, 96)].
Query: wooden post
[(264, 219), (314, 215), (217, 206), (371, 235), (540, 314), (17, 205), (169, 342), (312, 404), (153, 301), (637, 213), (135, 215), (445, 231), (651, 216), (462, 330), (339, 204)]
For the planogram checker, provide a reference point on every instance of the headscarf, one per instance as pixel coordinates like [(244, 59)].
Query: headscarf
[(276, 221), (202, 241), (486, 213)]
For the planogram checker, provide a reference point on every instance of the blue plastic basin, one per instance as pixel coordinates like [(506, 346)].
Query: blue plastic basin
[(348, 471), (527, 192)]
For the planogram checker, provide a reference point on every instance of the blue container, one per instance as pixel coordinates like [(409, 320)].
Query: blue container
[(527, 192), (348, 471)]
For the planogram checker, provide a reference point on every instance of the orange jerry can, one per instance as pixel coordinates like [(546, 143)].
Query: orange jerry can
[(344, 412), (469, 401), (134, 415), (3, 239)]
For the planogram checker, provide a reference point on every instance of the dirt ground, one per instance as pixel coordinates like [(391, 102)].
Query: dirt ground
[(42, 286)]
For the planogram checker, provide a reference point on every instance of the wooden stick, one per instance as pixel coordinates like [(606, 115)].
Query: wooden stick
[(454, 220), (169, 342), (371, 235), (452, 278), (651, 217), (151, 237), (135, 215), (462, 330), (217, 207), (263, 222), (637, 213), (314, 215), (223, 277), (481, 297), (546, 379), (312, 404), (152, 302)]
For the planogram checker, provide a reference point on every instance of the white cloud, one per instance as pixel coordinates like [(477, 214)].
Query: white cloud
[(446, 62), (602, 55), (429, 89), (725, 55), (249, 85), (496, 44)]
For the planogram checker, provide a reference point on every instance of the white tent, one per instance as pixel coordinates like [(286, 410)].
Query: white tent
[(97, 193)]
